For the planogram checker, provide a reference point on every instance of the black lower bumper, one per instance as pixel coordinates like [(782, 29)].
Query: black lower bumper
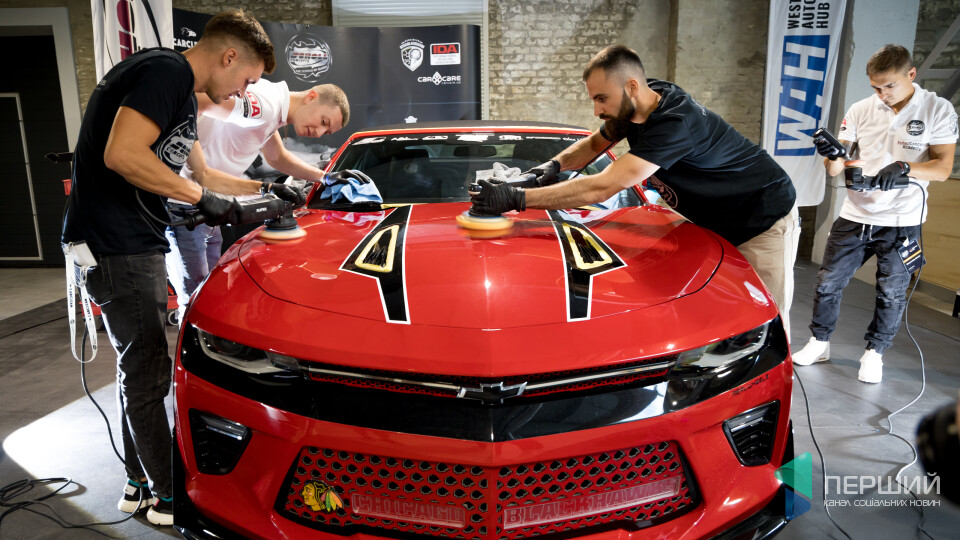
[(186, 519), (766, 523)]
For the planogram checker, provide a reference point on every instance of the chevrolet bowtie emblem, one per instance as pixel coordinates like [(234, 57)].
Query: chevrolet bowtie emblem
[(493, 394)]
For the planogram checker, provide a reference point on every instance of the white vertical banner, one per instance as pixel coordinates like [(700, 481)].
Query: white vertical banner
[(123, 27), (803, 48)]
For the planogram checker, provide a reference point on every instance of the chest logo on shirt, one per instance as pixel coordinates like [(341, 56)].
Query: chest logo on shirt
[(251, 105), (667, 193), (915, 127), (176, 147)]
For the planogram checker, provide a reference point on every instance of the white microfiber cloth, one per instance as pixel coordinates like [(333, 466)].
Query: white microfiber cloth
[(498, 172)]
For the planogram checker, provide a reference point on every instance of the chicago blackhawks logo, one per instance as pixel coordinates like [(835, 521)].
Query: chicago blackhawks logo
[(320, 498)]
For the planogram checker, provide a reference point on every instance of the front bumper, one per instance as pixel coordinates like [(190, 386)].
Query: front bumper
[(732, 499)]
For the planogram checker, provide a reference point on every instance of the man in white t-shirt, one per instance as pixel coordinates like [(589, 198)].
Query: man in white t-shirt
[(902, 130), (233, 133)]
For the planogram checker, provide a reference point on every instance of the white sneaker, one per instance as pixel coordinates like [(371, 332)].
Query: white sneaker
[(813, 351), (871, 366)]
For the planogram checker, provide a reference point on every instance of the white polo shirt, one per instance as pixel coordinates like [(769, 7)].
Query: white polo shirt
[(232, 144), (882, 137)]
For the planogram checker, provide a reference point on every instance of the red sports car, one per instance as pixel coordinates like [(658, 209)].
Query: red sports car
[(605, 372)]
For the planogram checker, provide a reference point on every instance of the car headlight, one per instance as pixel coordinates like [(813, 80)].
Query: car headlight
[(722, 354), (707, 371), (245, 358)]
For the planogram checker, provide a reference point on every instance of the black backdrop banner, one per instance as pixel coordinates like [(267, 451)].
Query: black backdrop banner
[(391, 75)]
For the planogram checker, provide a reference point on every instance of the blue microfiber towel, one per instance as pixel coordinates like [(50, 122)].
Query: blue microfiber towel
[(352, 192)]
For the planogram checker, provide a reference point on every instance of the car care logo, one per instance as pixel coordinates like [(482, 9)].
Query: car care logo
[(843, 125), (915, 127), (411, 52), (953, 120), (444, 54), (308, 57), (320, 498), (439, 79), (187, 39), (251, 105), (798, 476), (176, 147)]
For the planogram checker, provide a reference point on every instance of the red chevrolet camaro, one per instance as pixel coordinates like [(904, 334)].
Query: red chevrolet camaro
[(605, 372)]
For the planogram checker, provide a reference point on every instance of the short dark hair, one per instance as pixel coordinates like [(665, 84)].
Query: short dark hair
[(615, 58), (241, 26), (889, 57)]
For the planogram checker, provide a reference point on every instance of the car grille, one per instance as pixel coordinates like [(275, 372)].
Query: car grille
[(533, 384), (630, 487)]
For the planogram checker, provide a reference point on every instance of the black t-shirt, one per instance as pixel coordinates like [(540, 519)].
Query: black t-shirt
[(709, 172), (103, 208)]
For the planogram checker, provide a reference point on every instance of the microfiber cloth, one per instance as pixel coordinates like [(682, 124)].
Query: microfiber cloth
[(507, 174), (498, 172), (353, 191)]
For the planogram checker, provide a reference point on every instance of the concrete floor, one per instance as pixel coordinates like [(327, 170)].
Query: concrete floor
[(48, 427)]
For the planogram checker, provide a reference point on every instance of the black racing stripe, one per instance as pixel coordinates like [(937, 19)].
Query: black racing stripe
[(580, 278), (392, 286)]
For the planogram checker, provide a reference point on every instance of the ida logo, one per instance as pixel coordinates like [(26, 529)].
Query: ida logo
[(251, 105), (444, 54)]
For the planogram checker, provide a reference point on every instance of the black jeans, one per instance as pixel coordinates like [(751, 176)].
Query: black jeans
[(132, 293), (849, 245)]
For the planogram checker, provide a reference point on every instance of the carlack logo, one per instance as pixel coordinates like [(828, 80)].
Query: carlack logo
[(798, 477)]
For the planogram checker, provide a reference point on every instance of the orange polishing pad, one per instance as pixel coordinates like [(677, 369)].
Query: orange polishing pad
[(483, 223)]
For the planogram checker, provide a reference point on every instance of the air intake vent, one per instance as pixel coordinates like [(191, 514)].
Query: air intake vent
[(753, 433), (218, 442)]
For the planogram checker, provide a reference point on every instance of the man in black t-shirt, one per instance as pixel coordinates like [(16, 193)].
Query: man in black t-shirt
[(137, 132), (705, 169)]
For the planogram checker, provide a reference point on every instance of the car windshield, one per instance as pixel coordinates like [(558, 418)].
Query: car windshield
[(439, 167)]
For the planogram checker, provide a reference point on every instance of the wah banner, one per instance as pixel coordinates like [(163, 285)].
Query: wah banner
[(390, 75), (123, 27), (802, 55)]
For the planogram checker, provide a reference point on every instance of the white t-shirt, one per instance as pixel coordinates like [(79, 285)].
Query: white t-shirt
[(882, 137), (232, 144)]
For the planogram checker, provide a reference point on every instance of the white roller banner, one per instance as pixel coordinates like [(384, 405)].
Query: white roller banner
[(123, 27), (802, 54)]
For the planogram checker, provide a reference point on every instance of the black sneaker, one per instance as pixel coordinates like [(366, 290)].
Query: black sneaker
[(161, 513), (135, 493)]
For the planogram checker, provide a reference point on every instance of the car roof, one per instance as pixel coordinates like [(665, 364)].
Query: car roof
[(466, 125)]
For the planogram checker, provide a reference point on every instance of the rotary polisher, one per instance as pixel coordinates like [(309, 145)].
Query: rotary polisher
[(852, 172), (276, 213)]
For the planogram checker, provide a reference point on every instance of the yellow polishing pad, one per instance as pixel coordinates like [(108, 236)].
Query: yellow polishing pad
[(475, 223)]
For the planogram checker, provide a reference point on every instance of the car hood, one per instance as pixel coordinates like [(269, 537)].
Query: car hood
[(415, 265)]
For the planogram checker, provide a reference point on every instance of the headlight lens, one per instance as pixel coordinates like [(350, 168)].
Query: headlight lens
[(719, 355), (707, 371), (245, 358)]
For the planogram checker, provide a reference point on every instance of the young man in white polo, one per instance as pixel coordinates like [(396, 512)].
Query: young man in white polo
[(233, 133), (902, 130)]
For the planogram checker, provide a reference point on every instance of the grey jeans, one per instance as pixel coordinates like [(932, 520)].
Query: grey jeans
[(849, 245), (132, 293)]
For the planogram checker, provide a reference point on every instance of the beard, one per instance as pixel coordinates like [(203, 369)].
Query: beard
[(616, 126)]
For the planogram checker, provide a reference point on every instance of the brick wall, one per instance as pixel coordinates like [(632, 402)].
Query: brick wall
[(538, 49), (721, 53), (934, 18)]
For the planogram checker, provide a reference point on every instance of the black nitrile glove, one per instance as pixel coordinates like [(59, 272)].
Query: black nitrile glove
[(827, 150), (285, 192), (886, 179), (546, 173), (219, 209), (343, 177), (495, 199)]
